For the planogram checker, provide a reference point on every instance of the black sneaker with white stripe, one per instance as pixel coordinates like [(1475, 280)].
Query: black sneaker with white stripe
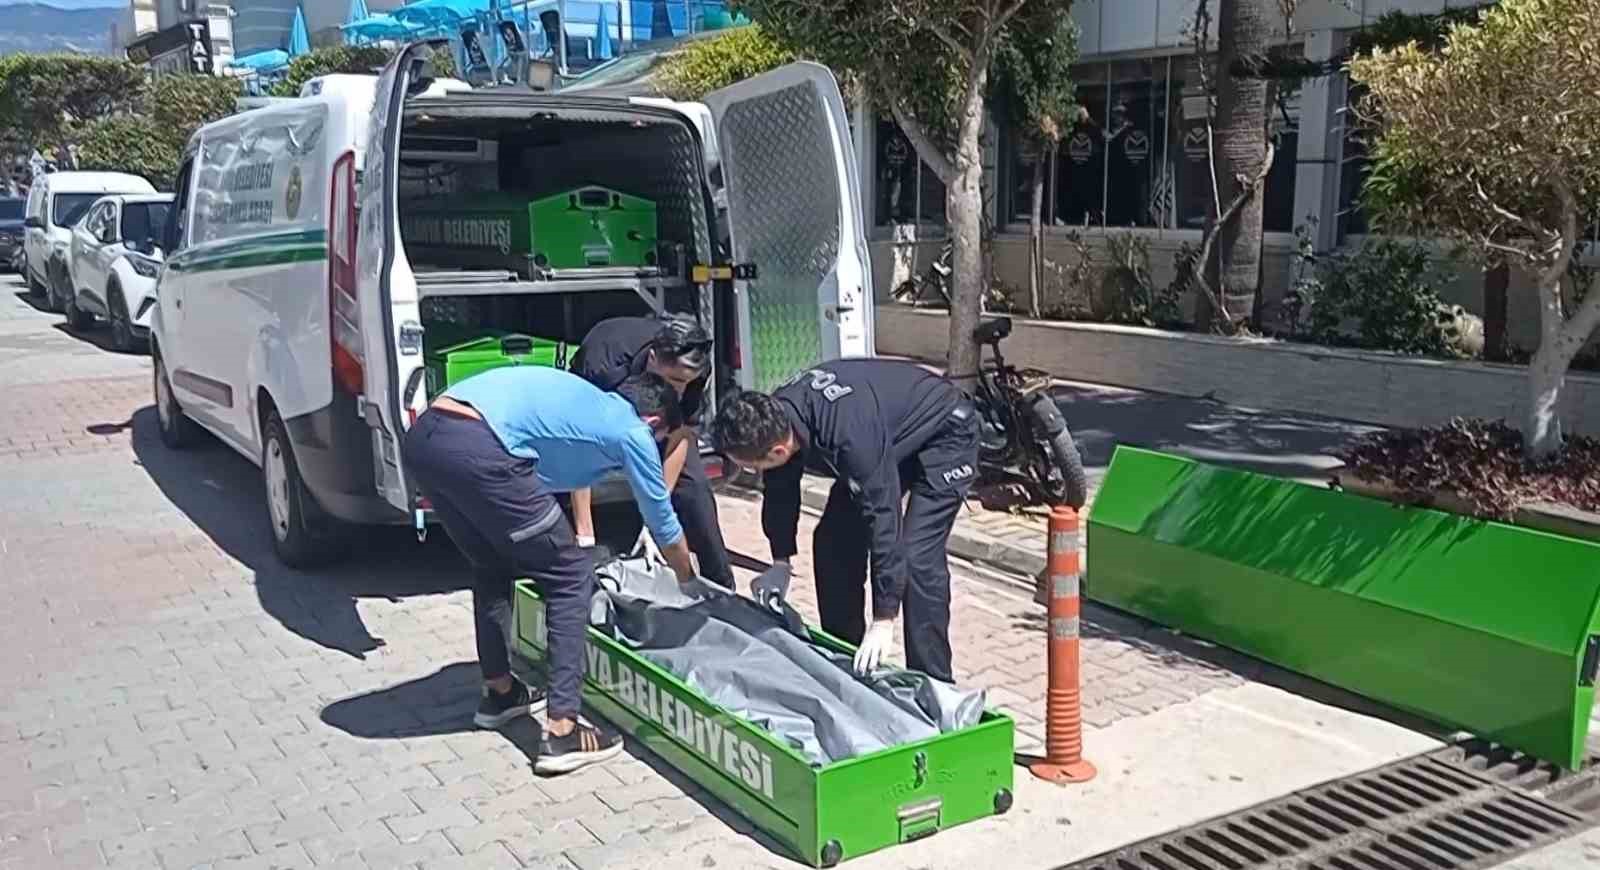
[(584, 745), (498, 708)]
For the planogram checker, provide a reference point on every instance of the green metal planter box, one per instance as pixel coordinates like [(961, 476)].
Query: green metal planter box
[(1478, 625), (824, 814)]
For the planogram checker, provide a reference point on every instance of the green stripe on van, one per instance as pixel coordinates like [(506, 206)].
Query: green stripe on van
[(299, 246)]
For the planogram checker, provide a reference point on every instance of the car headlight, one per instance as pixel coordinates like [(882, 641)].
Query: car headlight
[(144, 267)]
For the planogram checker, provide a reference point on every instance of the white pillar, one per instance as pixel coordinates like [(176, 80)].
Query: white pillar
[(1316, 184)]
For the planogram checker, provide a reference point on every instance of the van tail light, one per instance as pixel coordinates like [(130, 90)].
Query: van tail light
[(344, 308)]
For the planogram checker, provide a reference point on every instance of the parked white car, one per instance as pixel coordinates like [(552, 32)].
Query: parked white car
[(55, 203), (293, 312), (112, 265)]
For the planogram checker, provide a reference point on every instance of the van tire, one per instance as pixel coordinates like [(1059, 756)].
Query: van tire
[(53, 283), (120, 319), (77, 319), (301, 535), (177, 430)]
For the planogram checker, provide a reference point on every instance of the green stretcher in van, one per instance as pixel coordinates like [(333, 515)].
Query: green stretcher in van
[(584, 227), (458, 361)]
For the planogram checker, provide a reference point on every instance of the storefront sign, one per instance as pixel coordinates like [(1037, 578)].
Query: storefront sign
[(185, 48), (1194, 144), (1137, 146), (1080, 148)]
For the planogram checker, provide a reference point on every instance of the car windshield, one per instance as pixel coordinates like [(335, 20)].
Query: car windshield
[(69, 207), (11, 209), (141, 221)]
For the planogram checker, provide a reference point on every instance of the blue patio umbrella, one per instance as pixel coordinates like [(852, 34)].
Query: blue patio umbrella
[(440, 13), (299, 39), (270, 60), (358, 12), (602, 37), (376, 27)]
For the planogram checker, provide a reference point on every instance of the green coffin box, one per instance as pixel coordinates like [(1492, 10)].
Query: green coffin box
[(1481, 626), (583, 227), (824, 814)]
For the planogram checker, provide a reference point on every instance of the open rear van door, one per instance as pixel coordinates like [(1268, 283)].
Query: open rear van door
[(376, 333), (794, 214)]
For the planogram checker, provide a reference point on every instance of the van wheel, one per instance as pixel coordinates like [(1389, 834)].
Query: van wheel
[(177, 430), (78, 319), (302, 537), (54, 282), (122, 340)]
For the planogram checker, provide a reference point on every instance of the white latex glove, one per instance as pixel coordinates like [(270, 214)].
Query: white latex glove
[(646, 546), (874, 646), (770, 586)]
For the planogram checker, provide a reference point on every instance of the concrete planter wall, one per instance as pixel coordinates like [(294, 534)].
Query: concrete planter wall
[(1258, 373)]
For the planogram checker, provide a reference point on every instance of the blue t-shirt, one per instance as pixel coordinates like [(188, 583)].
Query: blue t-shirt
[(576, 432)]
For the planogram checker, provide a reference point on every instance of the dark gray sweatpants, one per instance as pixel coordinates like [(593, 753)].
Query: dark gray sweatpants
[(509, 526)]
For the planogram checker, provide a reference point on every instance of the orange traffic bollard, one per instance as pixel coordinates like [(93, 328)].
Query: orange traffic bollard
[(1063, 728)]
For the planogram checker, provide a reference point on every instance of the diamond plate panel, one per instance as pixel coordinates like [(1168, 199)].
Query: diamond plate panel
[(784, 207)]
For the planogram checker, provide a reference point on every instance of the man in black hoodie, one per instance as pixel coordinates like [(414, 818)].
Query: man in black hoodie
[(677, 349), (883, 429)]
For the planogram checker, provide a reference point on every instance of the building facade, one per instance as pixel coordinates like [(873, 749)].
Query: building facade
[(1139, 167)]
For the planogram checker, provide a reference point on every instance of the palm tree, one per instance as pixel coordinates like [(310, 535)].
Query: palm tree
[(1243, 157)]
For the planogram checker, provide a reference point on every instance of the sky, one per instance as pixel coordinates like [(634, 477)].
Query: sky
[(71, 4)]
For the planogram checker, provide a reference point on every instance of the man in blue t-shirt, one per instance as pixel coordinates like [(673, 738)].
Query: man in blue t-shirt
[(490, 454)]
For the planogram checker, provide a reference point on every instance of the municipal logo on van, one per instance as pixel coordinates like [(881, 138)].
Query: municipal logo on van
[(291, 196)]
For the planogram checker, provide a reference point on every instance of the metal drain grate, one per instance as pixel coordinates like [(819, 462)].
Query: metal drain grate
[(1432, 812), (1576, 790)]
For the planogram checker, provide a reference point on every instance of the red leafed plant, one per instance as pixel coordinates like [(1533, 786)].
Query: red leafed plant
[(1479, 462)]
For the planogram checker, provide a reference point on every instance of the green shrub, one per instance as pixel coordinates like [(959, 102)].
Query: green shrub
[(706, 65), (1384, 296), (330, 60)]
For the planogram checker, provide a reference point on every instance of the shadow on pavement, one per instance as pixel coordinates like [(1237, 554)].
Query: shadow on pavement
[(98, 335), (1269, 442), (222, 494), (440, 703), (443, 703), (38, 303)]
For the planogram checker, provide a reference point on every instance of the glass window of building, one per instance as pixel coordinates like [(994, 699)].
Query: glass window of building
[(1353, 165), (1135, 121), (907, 190), (1081, 159)]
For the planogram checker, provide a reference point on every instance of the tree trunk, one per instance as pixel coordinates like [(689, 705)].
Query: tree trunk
[(1036, 241), (1496, 282), (1541, 430), (1243, 28), (964, 217)]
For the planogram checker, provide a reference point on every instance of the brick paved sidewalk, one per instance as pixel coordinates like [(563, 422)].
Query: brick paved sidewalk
[(174, 698)]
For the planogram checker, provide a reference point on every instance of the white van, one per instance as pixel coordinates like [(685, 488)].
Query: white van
[(293, 318), (55, 203)]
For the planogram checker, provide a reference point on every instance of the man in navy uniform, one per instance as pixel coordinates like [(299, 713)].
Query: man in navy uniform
[(883, 429)]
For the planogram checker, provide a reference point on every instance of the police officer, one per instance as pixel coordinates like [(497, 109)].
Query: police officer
[(883, 429), (678, 350)]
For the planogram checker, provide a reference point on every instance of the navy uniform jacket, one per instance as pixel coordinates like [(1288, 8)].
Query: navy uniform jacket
[(858, 419), (615, 349)]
